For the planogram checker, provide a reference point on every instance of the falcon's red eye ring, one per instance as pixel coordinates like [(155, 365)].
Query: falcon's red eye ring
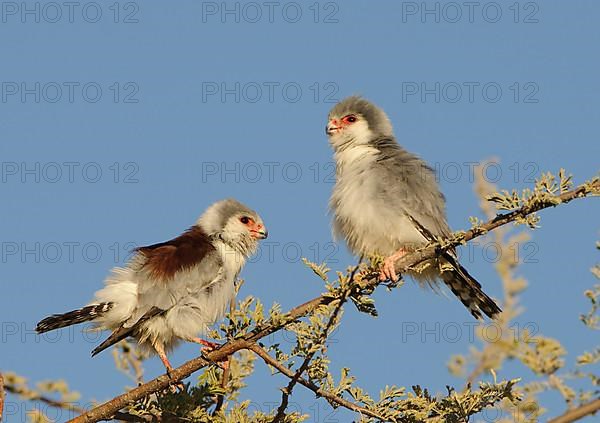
[(350, 119), (245, 220)]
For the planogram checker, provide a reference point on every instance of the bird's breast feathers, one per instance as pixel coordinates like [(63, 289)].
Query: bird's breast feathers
[(233, 259), (365, 216), (355, 157)]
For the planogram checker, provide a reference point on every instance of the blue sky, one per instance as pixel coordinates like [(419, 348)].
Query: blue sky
[(121, 124)]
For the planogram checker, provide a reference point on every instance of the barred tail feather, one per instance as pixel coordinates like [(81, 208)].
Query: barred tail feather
[(469, 292), (85, 314), (460, 282)]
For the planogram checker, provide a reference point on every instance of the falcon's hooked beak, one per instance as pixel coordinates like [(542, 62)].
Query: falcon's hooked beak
[(258, 231), (332, 127)]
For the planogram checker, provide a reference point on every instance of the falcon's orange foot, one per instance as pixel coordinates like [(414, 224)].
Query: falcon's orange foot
[(388, 270), (208, 347)]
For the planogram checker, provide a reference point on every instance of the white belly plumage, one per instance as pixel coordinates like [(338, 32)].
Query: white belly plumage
[(369, 226)]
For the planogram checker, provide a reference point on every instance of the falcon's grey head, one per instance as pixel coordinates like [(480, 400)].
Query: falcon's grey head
[(235, 223), (356, 121)]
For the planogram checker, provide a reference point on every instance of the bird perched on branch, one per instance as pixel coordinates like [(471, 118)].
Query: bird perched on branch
[(174, 290), (387, 201)]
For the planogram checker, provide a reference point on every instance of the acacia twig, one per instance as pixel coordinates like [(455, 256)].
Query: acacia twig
[(224, 381), (63, 405), (110, 407), (577, 413), (287, 391), (227, 370), (313, 387), (505, 269), (35, 396)]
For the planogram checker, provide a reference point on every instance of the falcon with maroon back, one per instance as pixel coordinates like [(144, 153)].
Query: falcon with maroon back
[(173, 291)]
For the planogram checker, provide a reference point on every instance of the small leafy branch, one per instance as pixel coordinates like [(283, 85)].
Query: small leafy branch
[(544, 356), (216, 397)]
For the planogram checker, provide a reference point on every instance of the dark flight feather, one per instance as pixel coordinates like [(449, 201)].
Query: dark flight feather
[(124, 332)]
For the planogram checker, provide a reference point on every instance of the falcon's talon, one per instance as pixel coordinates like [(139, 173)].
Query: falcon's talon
[(208, 344), (208, 348), (204, 351), (174, 386), (224, 364), (388, 270)]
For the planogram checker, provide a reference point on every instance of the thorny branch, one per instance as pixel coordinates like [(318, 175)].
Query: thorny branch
[(63, 405), (503, 267), (577, 413), (313, 387), (368, 280), (287, 391), (226, 372)]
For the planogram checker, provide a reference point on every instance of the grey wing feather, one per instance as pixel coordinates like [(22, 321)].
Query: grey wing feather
[(411, 182)]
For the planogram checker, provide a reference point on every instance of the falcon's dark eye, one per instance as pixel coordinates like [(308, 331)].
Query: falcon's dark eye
[(245, 220), (350, 119)]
